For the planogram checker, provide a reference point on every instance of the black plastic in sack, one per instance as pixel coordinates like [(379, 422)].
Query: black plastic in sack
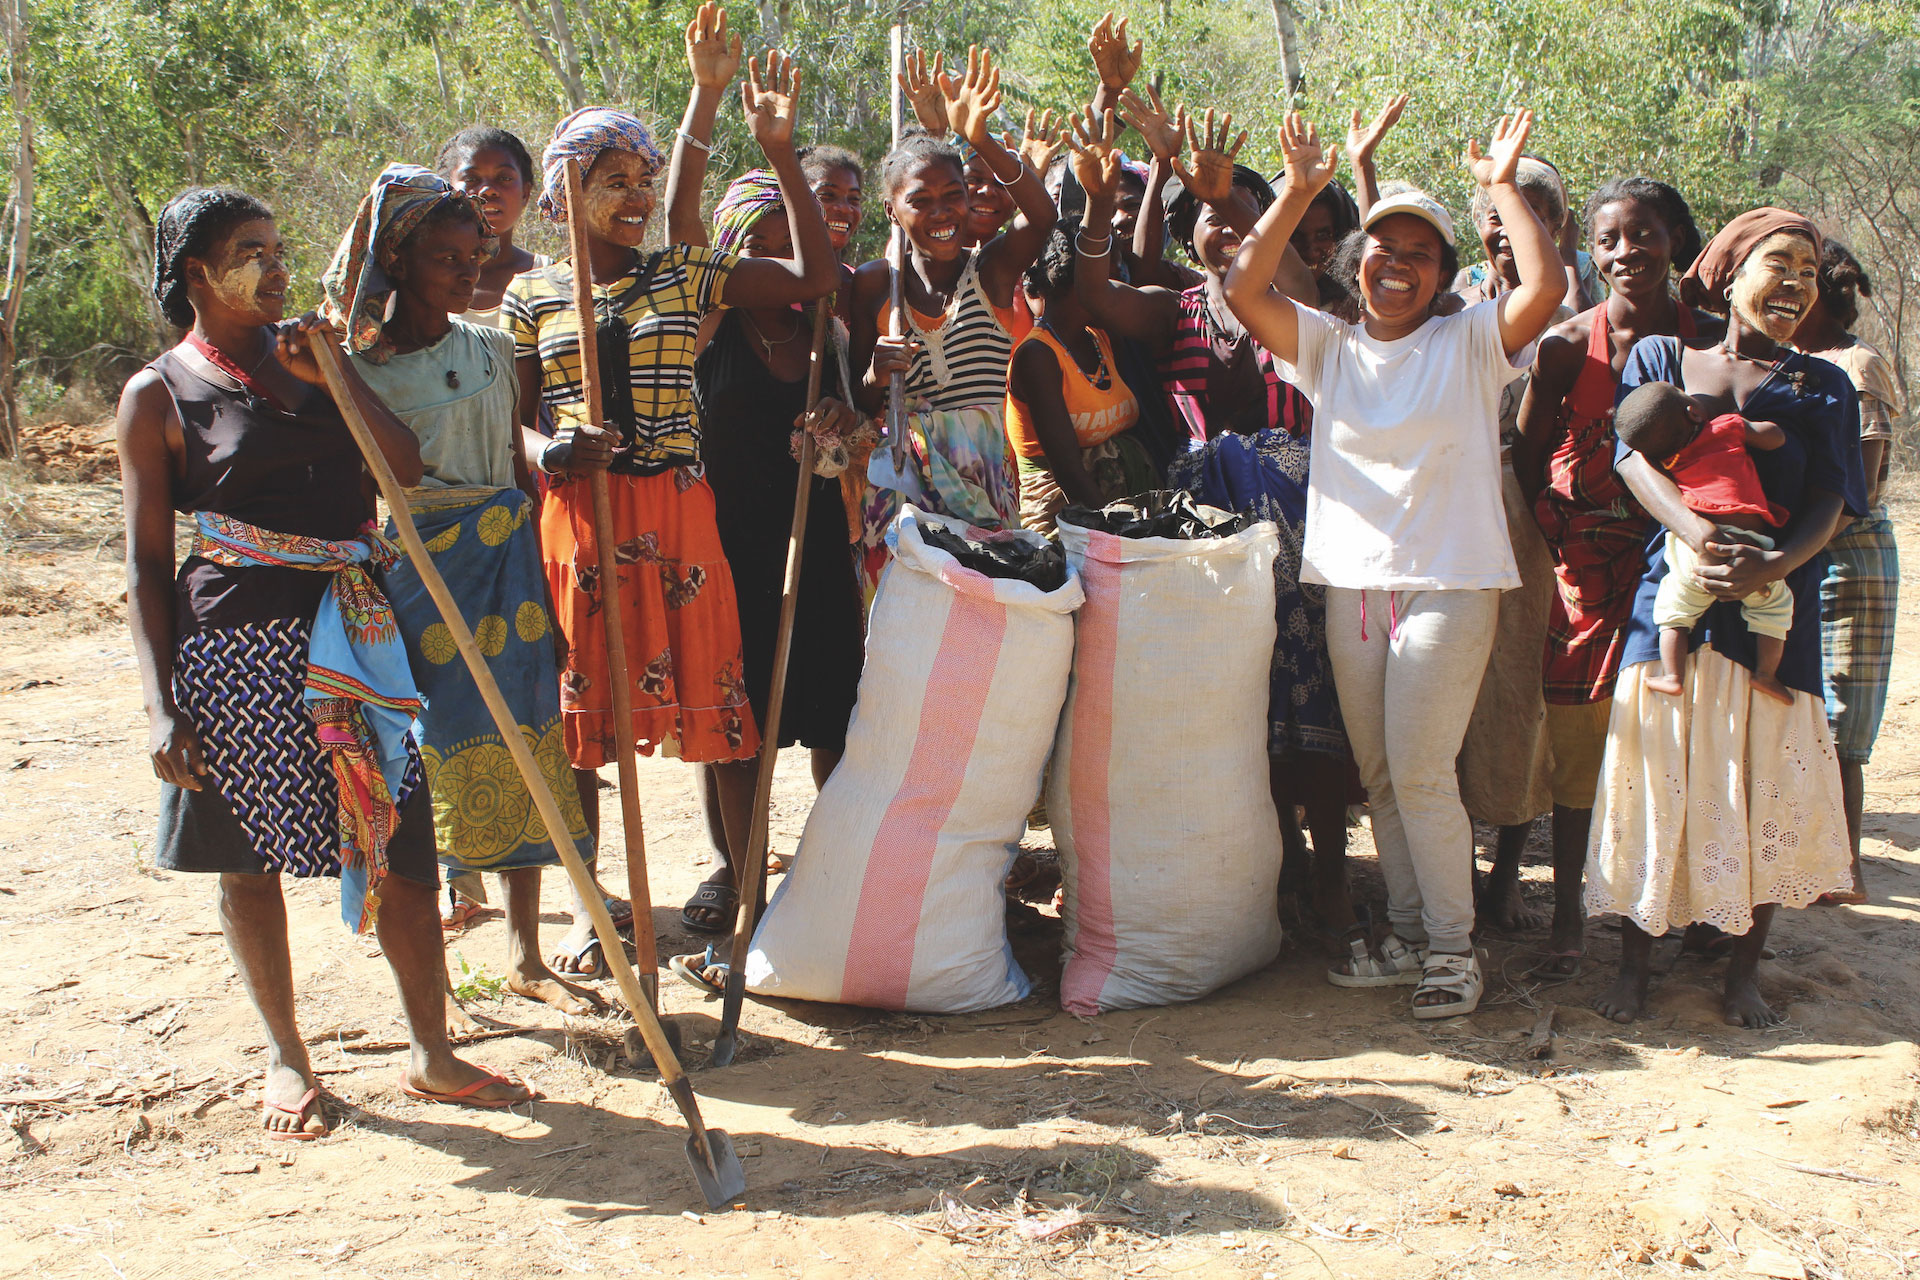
[(1160, 513), (1045, 566)]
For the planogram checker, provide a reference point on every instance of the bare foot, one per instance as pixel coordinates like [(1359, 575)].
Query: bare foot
[(456, 1074), (1663, 683), (537, 982), (287, 1109), (1771, 687), (1504, 908), (1625, 1000), (1744, 1007)]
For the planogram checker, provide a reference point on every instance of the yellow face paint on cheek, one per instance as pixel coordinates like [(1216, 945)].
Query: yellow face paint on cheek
[(238, 287)]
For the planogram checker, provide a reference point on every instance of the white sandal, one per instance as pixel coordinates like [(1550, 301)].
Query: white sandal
[(1455, 976), (1394, 964)]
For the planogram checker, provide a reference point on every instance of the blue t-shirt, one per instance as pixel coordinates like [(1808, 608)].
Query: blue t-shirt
[(1816, 405)]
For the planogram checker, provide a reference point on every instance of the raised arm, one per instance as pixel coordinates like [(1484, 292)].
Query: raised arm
[(1164, 134), (1215, 149), (814, 270), (970, 105), (1148, 315), (1528, 308), (714, 59), (922, 90), (1269, 314), (1114, 60), (1363, 140)]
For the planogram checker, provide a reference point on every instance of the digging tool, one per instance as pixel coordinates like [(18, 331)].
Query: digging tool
[(639, 892), (752, 875), (710, 1153)]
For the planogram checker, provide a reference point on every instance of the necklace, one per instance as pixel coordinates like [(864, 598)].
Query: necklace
[(1796, 379), (768, 344), (1098, 375)]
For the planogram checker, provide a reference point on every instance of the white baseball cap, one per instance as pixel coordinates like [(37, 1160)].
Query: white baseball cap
[(1420, 205)]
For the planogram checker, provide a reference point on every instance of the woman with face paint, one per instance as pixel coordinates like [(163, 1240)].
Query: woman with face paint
[(1244, 446), (1716, 807), (1404, 521), (493, 168), (411, 260), (1860, 594), (250, 664), (957, 344), (682, 628), (1563, 462)]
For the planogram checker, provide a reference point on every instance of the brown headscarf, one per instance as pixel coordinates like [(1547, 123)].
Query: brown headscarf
[(1706, 281)]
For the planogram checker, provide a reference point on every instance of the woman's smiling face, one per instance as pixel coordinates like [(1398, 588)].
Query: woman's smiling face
[(930, 204), (619, 196), (1777, 284), (1632, 247), (1400, 269), (838, 192)]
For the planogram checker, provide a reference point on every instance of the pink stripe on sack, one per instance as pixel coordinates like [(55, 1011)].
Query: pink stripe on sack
[(1096, 641), (887, 920)]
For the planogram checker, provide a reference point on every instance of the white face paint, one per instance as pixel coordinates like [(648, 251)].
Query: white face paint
[(247, 272), (1777, 285)]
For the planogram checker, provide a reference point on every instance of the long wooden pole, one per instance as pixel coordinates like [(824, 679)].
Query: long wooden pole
[(671, 1074), (753, 874), (897, 258), (613, 622)]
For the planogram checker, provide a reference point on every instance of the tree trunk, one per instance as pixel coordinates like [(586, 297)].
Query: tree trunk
[(14, 20), (1286, 25), (136, 236), (569, 52), (544, 47), (607, 55)]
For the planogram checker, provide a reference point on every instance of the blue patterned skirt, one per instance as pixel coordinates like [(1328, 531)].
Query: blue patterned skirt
[(1265, 474)]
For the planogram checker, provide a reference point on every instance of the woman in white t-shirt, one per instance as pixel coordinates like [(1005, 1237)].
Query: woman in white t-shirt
[(1405, 523)]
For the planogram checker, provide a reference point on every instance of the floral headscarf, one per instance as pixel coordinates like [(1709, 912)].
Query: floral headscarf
[(583, 136), (359, 282), (748, 198)]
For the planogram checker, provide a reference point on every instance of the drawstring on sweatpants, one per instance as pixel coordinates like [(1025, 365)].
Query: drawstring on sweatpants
[(1393, 617)]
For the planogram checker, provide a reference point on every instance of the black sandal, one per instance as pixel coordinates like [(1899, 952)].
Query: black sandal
[(722, 900)]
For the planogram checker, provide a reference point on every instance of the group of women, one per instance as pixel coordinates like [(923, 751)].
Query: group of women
[(1468, 559)]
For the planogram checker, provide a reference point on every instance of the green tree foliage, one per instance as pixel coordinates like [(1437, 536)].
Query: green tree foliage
[(1736, 102)]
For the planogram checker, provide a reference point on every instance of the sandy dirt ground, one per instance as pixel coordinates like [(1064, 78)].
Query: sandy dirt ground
[(1280, 1128)]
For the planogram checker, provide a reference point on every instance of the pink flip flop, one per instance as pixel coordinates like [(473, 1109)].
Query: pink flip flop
[(463, 1096), (298, 1110)]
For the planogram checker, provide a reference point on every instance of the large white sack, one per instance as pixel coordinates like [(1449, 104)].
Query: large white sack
[(895, 899), (1159, 795)]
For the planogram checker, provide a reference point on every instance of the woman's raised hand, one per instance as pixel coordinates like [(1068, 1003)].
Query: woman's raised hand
[(712, 54), (1364, 139), (1214, 151), (1502, 158), (1116, 61), (1310, 166), (1162, 132), (973, 101), (1096, 160), (769, 103), (1041, 143), (924, 92)]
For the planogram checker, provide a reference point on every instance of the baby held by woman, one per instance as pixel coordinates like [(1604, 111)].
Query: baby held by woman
[(1707, 459)]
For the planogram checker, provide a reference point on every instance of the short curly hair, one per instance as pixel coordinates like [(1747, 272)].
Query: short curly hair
[(1682, 232), (1843, 282), (190, 225)]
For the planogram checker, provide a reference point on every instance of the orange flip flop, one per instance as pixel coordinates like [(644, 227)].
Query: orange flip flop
[(298, 1110), (463, 1096)]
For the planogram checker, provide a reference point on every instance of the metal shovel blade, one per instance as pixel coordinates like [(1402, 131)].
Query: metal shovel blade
[(727, 1042), (725, 1181)]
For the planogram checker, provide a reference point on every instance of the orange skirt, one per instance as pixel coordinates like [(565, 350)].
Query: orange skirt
[(682, 628)]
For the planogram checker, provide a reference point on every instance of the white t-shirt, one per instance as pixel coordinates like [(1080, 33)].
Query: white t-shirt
[(1404, 489)]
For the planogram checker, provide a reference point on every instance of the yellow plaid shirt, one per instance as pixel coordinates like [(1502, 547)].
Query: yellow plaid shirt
[(662, 324)]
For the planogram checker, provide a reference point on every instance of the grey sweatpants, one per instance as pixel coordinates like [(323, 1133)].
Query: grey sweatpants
[(1408, 670)]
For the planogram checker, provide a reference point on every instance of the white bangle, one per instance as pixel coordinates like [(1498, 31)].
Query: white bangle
[(692, 141), (1080, 243), (540, 463)]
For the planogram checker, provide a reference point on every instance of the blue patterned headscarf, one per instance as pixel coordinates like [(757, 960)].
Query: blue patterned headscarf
[(359, 281), (748, 198), (583, 136)]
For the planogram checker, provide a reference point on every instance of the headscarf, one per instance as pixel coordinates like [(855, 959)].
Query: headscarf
[(1706, 282), (748, 198), (359, 281), (583, 136)]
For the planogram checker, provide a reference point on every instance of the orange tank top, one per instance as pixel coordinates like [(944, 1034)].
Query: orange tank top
[(1099, 412)]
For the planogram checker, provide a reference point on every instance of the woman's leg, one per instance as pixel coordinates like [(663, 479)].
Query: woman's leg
[(1626, 999), (1357, 646), (253, 917), (527, 974), (1742, 1003), (1438, 655), (825, 760), (570, 957)]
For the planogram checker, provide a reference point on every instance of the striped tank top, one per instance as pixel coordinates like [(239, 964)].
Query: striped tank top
[(1217, 384), (962, 364)]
